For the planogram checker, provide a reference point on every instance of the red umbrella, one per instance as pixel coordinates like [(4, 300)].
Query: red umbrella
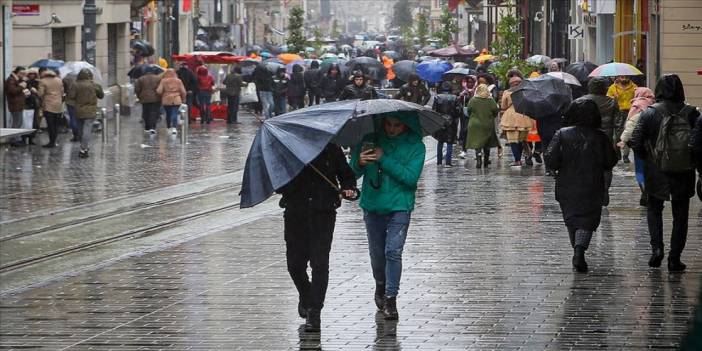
[(451, 51)]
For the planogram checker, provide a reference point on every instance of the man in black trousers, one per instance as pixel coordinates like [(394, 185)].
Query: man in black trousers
[(310, 201)]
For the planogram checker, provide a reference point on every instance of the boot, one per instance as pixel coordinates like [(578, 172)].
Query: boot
[(579, 259), (486, 159), (379, 296), (674, 264), (643, 201), (302, 308), (313, 321), (657, 257), (571, 236), (390, 309)]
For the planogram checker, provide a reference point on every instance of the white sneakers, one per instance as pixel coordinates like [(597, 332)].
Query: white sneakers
[(174, 130), (462, 155)]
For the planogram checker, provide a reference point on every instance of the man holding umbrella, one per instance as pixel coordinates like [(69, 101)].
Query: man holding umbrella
[(310, 201), (390, 161)]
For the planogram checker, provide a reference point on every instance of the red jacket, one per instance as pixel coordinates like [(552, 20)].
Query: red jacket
[(205, 82)]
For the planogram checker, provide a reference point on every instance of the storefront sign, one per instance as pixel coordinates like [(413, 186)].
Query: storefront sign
[(691, 27), (576, 31), (25, 10)]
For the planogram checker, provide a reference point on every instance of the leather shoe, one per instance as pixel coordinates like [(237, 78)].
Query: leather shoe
[(674, 264), (579, 260), (390, 309), (656, 258), (379, 296), (301, 310), (313, 321)]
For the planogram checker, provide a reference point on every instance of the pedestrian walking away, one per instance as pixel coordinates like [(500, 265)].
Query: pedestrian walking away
[(662, 138), (51, 94), (468, 85), (85, 93), (233, 84), (448, 105), (390, 162), (145, 89), (310, 201), (623, 92), (313, 79), (296, 88), (173, 94), (579, 154), (515, 125), (481, 126), (643, 98)]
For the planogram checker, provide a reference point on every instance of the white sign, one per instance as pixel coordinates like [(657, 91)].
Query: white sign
[(576, 31)]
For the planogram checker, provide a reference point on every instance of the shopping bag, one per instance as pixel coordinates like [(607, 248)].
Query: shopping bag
[(28, 119), (248, 94)]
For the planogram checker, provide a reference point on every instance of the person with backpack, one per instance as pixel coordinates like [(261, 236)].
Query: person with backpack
[(446, 104), (662, 138)]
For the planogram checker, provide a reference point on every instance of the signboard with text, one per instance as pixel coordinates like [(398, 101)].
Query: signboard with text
[(25, 10), (576, 31)]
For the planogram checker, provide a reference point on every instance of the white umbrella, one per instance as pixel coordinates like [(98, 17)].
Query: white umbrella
[(74, 67), (566, 77)]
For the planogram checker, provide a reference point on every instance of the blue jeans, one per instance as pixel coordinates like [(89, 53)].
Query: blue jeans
[(204, 100), (172, 116), (440, 151), (280, 105), (386, 239), (267, 103), (72, 121)]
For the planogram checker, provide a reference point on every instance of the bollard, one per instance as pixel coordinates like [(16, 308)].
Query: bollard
[(184, 121), (117, 119), (102, 116)]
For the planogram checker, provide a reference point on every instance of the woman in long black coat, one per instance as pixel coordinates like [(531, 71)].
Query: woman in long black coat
[(580, 154)]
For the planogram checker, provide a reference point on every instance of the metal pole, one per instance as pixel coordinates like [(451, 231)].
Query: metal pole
[(118, 119), (185, 120), (88, 40), (103, 113)]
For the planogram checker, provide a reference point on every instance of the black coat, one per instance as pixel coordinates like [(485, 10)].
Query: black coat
[(313, 80), (364, 92), (660, 185), (309, 190), (296, 86), (188, 78), (331, 86), (580, 154), (449, 106), (280, 86), (263, 78), (609, 109), (419, 94)]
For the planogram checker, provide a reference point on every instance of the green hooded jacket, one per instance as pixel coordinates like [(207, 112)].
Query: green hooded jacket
[(403, 159)]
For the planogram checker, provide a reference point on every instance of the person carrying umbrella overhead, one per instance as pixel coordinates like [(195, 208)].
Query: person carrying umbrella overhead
[(390, 161), (310, 201), (358, 89), (414, 91)]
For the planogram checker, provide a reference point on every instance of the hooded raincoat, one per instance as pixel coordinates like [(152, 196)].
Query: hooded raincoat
[(581, 153), (85, 94), (390, 184), (609, 109)]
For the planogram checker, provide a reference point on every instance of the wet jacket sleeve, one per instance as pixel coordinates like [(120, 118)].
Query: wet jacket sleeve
[(610, 154), (553, 156), (98, 91), (355, 167), (629, 127), (697, 143), (405, 173), (345, 94), (345, 175), (400, 93), (639, 137)]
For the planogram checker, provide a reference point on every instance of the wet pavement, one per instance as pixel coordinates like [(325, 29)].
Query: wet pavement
[(486, 266)]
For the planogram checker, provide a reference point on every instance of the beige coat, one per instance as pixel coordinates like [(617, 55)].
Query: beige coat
[(51, 92), (511, 119), (171, 89)]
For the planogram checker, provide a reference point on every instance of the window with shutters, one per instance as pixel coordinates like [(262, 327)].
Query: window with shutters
[(58, 44)]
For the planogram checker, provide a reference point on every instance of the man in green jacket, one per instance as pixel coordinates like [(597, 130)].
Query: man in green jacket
[(390, 162)]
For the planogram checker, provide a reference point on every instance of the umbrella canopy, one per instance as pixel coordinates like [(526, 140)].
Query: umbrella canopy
[(566, 77), (288, 58), (403, 69), (542, 96), (343, 69), (538, 59), (427, 58), (615, 69), (459, 72), (391, 54), (484, 57), (273, 65), (308, 62), (74, 67), (329, 56), (451, 51), (47, 63), (284, 145), (249, 62), (432, 71), (364, 61), (289, 66), (371, 67), (428, 48), (581, 70), (559, 60)]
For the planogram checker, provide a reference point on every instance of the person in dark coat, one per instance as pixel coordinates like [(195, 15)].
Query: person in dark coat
[(264, 88), (415, 91), (310, 201), (332, 83), (609, 109), (661, 186), (189, 81), (697, 148), (313, 79), (580, 154), (233, 84), (359, 89), (296, 88), (280, 91), (448, 105)]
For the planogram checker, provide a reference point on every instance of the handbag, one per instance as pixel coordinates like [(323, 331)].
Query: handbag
[(248, 94)]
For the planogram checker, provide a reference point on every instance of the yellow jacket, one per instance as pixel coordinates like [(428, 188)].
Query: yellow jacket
[(622, 95)]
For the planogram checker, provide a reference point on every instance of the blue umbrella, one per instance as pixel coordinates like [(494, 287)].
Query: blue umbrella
[(432, 71), (284, 145), (47, 63)]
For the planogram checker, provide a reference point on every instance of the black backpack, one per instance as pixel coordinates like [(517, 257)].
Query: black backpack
[(672, 151)]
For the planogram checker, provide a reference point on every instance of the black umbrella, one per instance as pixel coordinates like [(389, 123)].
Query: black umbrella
[(343, 69), (286, 143), (542, 96), (459, 72), (404, 68), (364, 63), (581, 70), (391, 54)]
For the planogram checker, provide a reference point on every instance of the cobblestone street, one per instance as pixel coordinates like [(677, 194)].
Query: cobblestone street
[(487, 264)]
